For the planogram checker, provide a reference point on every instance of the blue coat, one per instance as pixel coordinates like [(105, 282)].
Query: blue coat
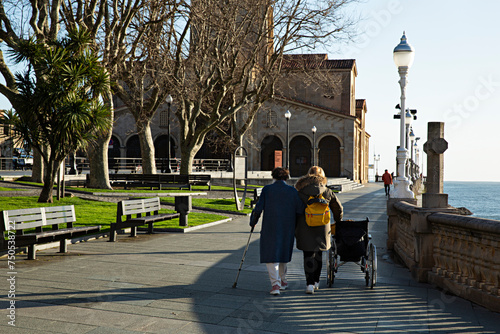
[(281, 204)]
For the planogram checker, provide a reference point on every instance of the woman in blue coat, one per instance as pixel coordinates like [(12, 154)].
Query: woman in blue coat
[(281, 204)]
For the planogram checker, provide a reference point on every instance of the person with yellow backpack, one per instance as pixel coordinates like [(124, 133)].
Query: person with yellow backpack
[(312, 231)]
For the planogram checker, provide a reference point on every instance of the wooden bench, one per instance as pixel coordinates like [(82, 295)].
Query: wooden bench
[(128, 181), (159, 181), (200, 180), (19, 220), (138, 212), (75, 183), (256, 196)]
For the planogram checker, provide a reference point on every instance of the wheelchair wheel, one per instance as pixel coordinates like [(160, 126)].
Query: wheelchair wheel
[(331, 264), (371, 266)]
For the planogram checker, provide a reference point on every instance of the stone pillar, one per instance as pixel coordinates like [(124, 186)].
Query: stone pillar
[(435, 146), (393, 219)]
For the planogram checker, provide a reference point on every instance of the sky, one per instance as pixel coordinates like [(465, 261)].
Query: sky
[(455, 79)]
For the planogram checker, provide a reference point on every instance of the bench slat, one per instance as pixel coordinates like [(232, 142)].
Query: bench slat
[(155, 218), (37, 217), (55, 235)]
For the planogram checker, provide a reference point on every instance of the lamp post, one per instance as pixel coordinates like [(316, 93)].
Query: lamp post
[(314, 146), (403, 58), (376, 159), (169, 103), (288, 114), (408, 119), (412, 139)]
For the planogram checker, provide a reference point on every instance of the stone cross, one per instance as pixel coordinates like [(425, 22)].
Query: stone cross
[(435, 146)]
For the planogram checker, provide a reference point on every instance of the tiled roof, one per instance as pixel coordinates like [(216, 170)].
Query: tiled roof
[(315, 61)]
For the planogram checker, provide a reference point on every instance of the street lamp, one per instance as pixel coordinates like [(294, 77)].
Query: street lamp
[(288, 114), (403, 58), (412, 139), (376, 159), (314, 146), (169, 103)]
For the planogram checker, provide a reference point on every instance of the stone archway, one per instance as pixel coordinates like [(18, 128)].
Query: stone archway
[(268, 145), (300, 155), (329, 156)]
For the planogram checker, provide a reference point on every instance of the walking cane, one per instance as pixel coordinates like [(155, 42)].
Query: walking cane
[(243, 258)]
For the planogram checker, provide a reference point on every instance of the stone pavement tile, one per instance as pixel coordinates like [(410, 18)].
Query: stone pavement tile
[(41, 325), (159, 325), (250, 323), (76, 315), (186, 315), (19, 330), (189, 307), (197, 328), (110, 330)]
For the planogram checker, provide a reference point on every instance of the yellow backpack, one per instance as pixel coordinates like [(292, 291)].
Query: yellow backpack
[(317, 211)]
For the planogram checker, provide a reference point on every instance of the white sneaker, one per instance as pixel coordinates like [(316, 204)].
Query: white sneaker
[(316, 286), (310, 289), (275, 290)]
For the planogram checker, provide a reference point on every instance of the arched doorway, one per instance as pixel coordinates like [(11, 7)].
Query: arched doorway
[(133, 151), (329, 156), (113, 152), (300, 155), (161, 152), (161, 148), (133, 147), (268, 146)]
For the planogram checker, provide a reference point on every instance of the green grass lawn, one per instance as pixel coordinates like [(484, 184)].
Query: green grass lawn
[(9, 189), (100, 213)]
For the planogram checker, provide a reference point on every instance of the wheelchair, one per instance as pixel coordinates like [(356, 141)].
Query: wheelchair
[(352, 243)]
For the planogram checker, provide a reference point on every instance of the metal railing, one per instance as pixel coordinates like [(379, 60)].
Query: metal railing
[(131, 165)]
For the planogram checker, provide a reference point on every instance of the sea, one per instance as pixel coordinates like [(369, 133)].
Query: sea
[(481, 198)]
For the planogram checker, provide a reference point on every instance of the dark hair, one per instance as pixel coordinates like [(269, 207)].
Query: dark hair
[(280, 173)]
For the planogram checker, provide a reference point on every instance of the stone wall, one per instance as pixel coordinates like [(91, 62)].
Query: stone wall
[(458, 253)]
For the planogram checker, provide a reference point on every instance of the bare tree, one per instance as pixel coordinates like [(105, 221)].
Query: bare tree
[(42, 20), (224, 58), (18, 22), (130, 44)]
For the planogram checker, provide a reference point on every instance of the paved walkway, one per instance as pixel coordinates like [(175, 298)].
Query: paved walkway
[(182, 283)]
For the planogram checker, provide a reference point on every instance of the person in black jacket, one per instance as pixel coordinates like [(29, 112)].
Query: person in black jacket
[(314, 240)]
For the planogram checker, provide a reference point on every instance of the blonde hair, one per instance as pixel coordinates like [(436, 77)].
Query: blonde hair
[(316, 170)]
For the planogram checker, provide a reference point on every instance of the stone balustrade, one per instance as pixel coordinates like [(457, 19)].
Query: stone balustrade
[(458, 253)]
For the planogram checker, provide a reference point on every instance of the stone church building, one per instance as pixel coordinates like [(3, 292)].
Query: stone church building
[(318, 92)]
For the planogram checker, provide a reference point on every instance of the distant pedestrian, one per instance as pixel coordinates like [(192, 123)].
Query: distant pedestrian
[(313, 240), (387, 178), (281, 205)]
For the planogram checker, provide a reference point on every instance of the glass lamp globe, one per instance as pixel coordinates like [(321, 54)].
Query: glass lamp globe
[(403, 53)]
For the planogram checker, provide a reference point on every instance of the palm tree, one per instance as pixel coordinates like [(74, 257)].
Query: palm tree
[(62, 110)]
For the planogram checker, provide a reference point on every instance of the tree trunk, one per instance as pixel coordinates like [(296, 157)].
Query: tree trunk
[(48, 182), (98, 163), (98, 156), (37, 171), (147, 149), (188, 152)]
